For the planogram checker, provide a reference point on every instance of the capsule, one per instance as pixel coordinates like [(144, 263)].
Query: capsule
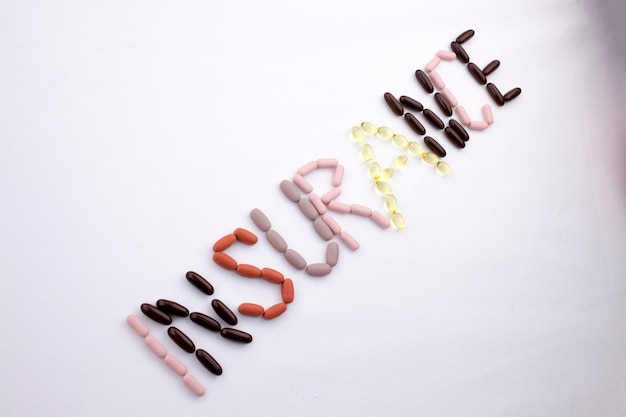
[(199, 282), (236, 335), (338, 175), (465, 36), (319, 269), (225, 261), (477, 73), (458, 128), (437, 81), (433, 119), (487, 114), (357, 134), (386, 174), (432, 64), (172, 308), (275, 311), (415, 148), (510, 95), (302, 184), (367, 153), (251, 309), (369, 128), (383, 188), (272, 275), (295, 259), (224, 312), (317, 202), (385, 132), (424, 81), (260, 220), (181, 339), (491, 67), (400, 140), (224, 243), (349, 241), (443, 104), (400, 161), (443, 168), (398, 221), (286, 290), (193, 385), (339, 207), (330, 195), (430, 158), (460, 52), (462, 115), (495, 94), (307, 208), (245, 236), (276, 240), (391, 203), (394, 104), (175, 365), (307, 168), (374, 170), (322, 229), (434, 146), (290, 190), (156, 314), (327, 163), (411, 103), (209, 362), (247, 270), (332, 254), (332, 223), (155, 346), (454, 137), (478, 125), (446, 55), (450, 97), (205, 321), (414, 124), (137, 325), (360, 210)]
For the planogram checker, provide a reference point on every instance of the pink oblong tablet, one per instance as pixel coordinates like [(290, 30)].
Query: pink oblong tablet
[(339, 207), (446, 55), (137, 325), (332, 223), (462, 114), (338, 175), (306, 168), (194, 385), (478, 125), (450, 97), (327, 163), (348, 240), (380, 219), (155, 346), (302, 183), (175, 365), (487, 114), (436, 79), (360, 210), (432, 64), (317, 203), (331, 195)]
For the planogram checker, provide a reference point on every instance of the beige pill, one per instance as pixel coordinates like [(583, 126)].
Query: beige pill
[(260, 220), (318, 269), (295, 259), (307, 208), (322, 229), (332, 253), (290, 190), (276, 240)]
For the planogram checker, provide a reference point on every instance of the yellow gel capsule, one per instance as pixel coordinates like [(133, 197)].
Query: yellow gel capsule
[(391, 203), (430, 158), (400, 140), (369, 128), (386, 174), (400, 161), (416, 149), (443, 168), (367, 153), (374, 170), (385, 132), (398, 221), (357, 134), (383, 188)]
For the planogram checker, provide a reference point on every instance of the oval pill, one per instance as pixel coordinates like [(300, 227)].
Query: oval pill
[(357, 134), (360, 210), (272, 275), (260, 220), (443, 104), (302, 184), (433, 119), (181, 339), (430, 158), (332, 223), (385, 132), (306, 168), (432, 64), (477, 73), (209, 362), (332, 254), (510, 95), (224, 243), (398, 221), (199, 282), (193, 385), (245, 236), (172, 307), (156, 347), (383, 187), (487, 114), (369, 128), (460, 52), (437, 81), (367, 153), (318, 269), (175, 365), (348, 240), (424, 81), (276, 240), (462, 115), (414, 124), (446, 55), (331, 195), (495, 94), (156, 314), (386, 174), (450, 97), (339, 207), (399, 161), (290, 190), (338, 175), (224, 312), (465, 36), (391, 203), (380, 219), (459, 129), (454, 137), (225, 261), (327, 163), (443, 168), (295, 259), (394, 104), (322, 229), (236, 335), (275, 311), (286, 291), (435, 146), (400, 140), (374, 170), (251, 309), (411, 103), (415, 148), (317, 202), (491, 67), (137, 325), (247, 270), (478, 125), (205, 321), (307, 208)]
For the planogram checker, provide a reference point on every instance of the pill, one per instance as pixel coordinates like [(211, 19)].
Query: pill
[(462, 115), (443, 168), (465, 36), (138, 326), (348, 240), (332, 253), (446, 55), (399, 161), (491, 67), (432, 64), (394, 104), (433, 119), (272, 275), (398, 221), (205, 321), (510, 95), (318, 269), (383, 187), (156, 347), (251, 309), (224, 312), (175, 365), (415, 148), (290, 190), (295, 259), (385, 132), (247, 270), (360, 210), (236, 335), (380, 219), (386, 174), (245, 236), (307, 208), (460, 52), (260, 220), (274, 311), (322, 229), (450, 97), (317, 202), (338, 175), (477, 73), (411, 103), (430, 158), (286, 290), (302, 184), (414, 124), (400, 140), (391, 203), (156, 314), (454, 137), (199, 282), (437, 81), (193, 384), (369, 128), (478, 125), (458, 128), (327, 163), (332, 223), (487, 114), (424, 81), (224, 243), (225, 261), (443, 104), (367, 153), (172, 307), (331, 195), (306, 168), (209, 362), (495, 94), (357, 134), (339, 207), (435, 146), (181, 339), (374, 170), (276, 240)]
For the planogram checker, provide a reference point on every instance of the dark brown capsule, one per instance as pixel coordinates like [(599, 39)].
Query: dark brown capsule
[(477, 73), (465, 36), (454, 137), (205, 321), (460, 52), (236, 335), (224, 312), (512, 94), (443, 104), (459, 129), (200, 283), (434, 146), (495, 94), (491, 67), (424, 81), (181, 339), (209, 362), (156, 314), (411, 103), (394, 104), (172, 307), (415, 124), (433, 119)]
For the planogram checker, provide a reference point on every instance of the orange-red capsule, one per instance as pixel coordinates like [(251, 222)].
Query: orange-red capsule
[(272, 275), (247, 270), (287, 291), (275, 311), (245, 236), (251, 309), (224, 243), (225, 261)]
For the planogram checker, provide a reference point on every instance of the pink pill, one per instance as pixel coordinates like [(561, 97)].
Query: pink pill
[(450, 97), (327, 163), (332, 223), (193, 384), (306, 168), (462, 115), (360, 210), (155, 346), (478, 125), (432, 64), (331, 195), (436, 79), (348, 240), (302, 184), (446, 55), (338, 176), (380, 219), (487, 114), (317, 203), (339, 207), (137, 325), (175, 365)]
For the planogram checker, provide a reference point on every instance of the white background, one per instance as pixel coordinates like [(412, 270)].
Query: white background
[(135, 134)]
